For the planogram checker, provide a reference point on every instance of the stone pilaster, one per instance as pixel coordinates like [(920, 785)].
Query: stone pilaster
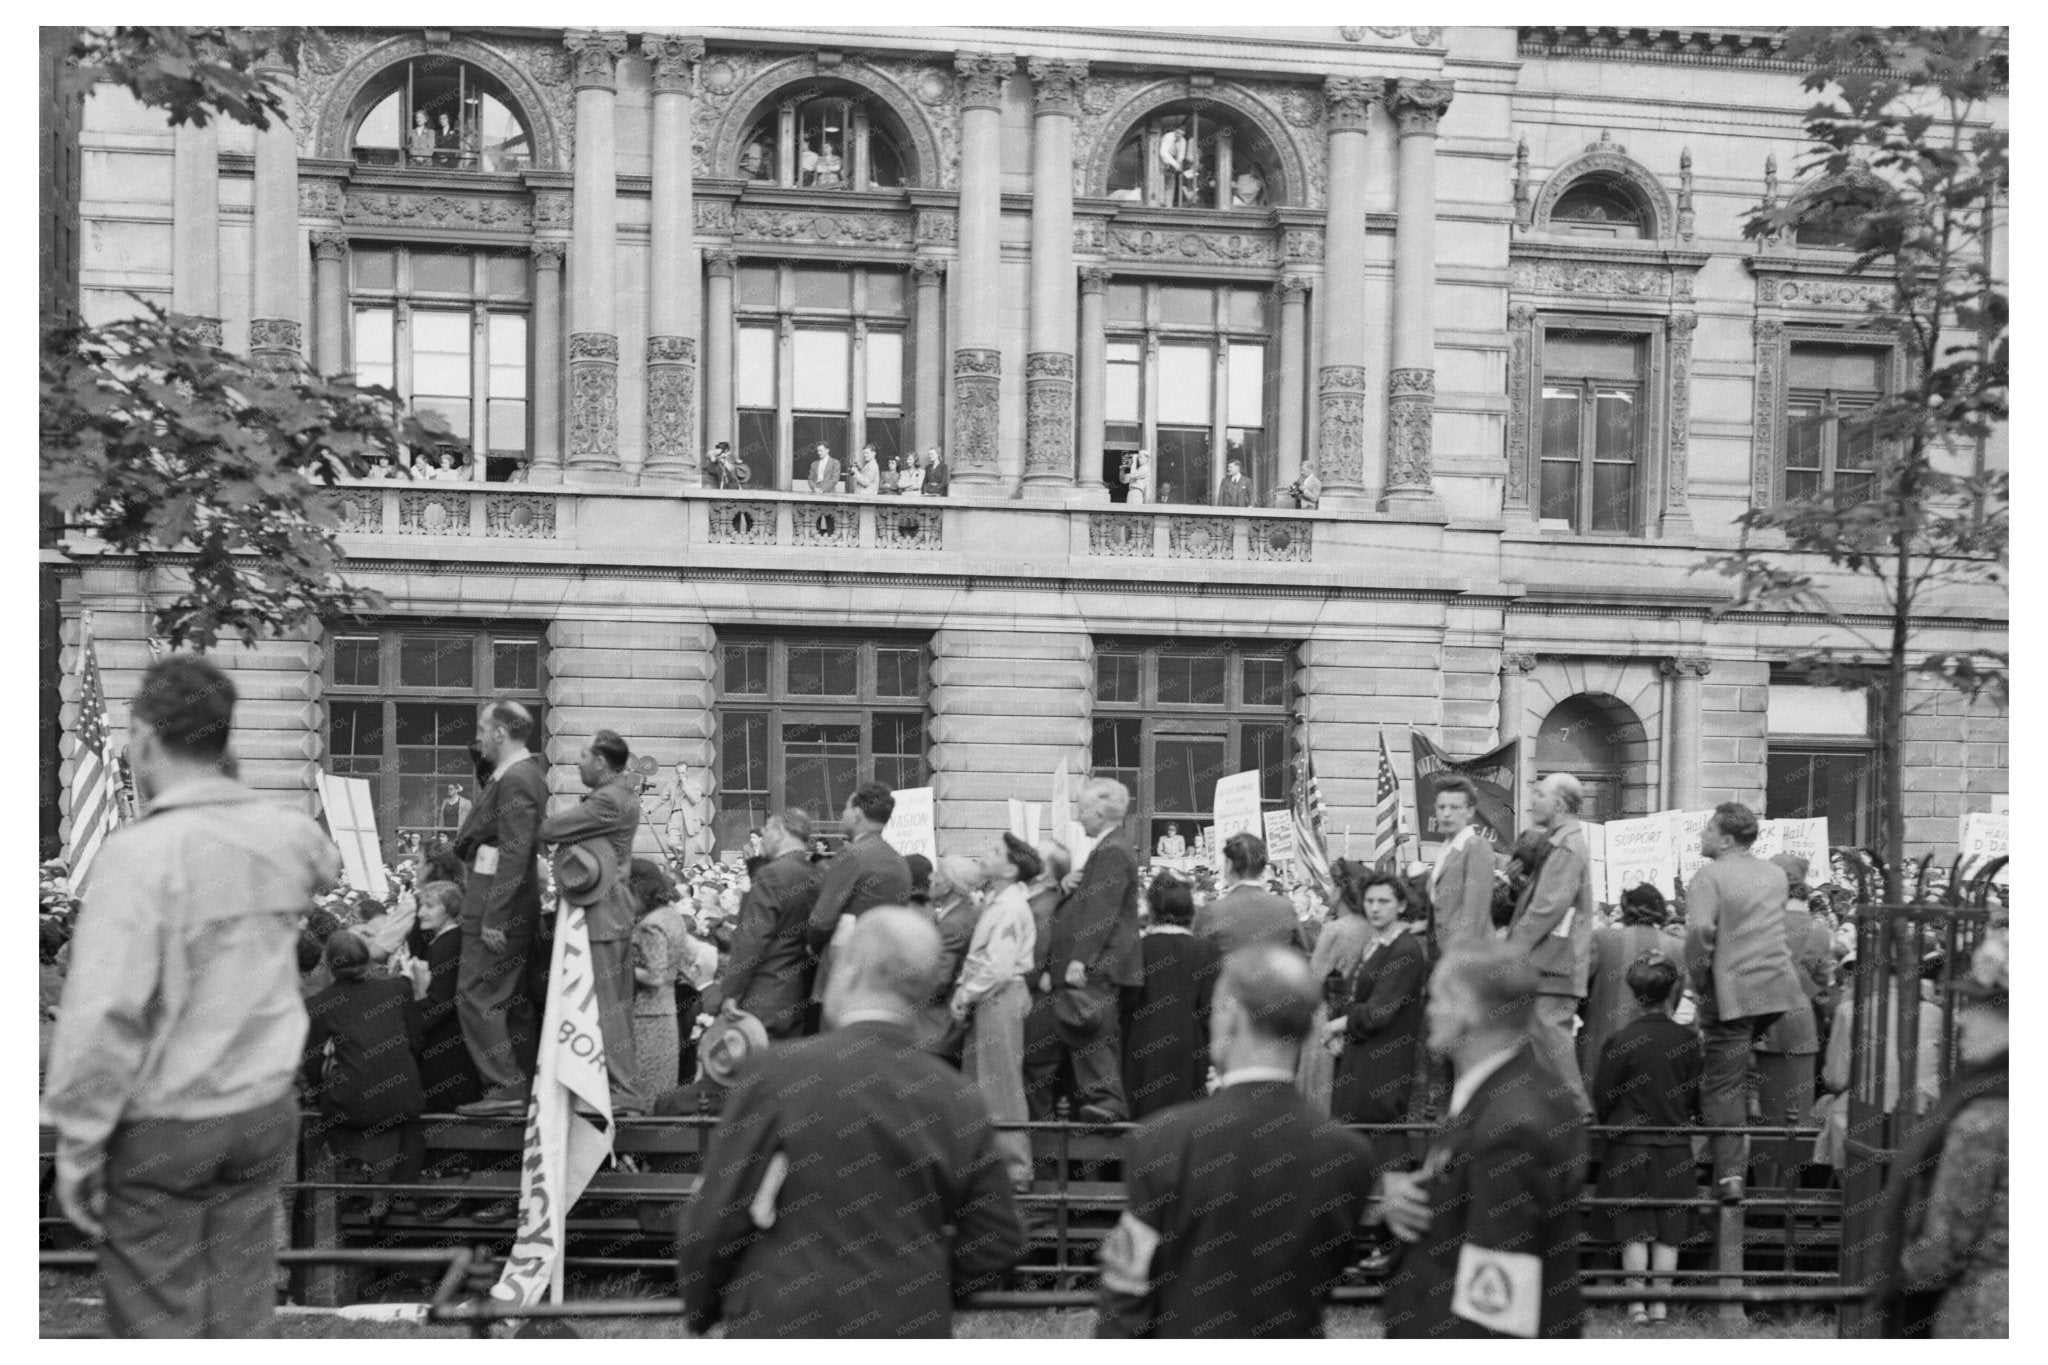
[(1092, 398), (195, 215), (546, 466), (593, 454), (276, 334), (718, 343), (928, 425), (1686, 716), (977, 279), (1049, 365), (1341, 380), (672, 270), (330, 301), (1006, 707), (1677, 519), (1514, 705), (1417, 107), (1287, 419)]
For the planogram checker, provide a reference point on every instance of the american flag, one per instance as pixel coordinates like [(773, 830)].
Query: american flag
[(96, 783), (1386, 831), (1308, 821)]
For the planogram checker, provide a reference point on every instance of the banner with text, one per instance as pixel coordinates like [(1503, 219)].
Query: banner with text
[(1492, 773), (1237, 810), (911, 828), (1279, 837)]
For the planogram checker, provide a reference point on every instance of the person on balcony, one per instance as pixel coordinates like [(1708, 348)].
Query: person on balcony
[(1237, 489), (824, 471), (420, 143), (1137, 476), (866, 474), (936, 477)]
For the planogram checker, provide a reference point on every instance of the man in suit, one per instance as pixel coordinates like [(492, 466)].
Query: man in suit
[(501, 911), (1237, 489), (1788, 1054), (1490, 1223), (1250, 1177), (1741, 972), (1246, 912), (824, 472), (1461, 883), (865, 873), (955, 910), (1092, 952), (606, 819), (1553, 925), (767, 974), (853, 1187)]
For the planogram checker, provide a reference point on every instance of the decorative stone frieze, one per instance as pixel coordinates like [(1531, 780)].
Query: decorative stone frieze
[(1120, 533), (554, 210), (909, 527), (1280, 539), (822, 229), (1201, 538), (1770, 362), (977, 386), (671, 404), (1411, 407), (519, 516), (1208, 247), (1678, 438), (593, 400), (825, 523), (433, 514), (1048, 413), (1340, 425), (1521, 380), (739, 522), (320, 199), (359, 511), (437, 211)]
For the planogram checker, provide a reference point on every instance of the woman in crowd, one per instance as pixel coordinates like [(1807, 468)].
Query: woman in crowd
[(362, 1038), (1339, 946), (891, 479), (657, 943), (1381, 1029), (447, 1074), (1166, 1019), (1947, 1271), (910, 476), (1610, 1004), (992, 999), (1648, 1076)]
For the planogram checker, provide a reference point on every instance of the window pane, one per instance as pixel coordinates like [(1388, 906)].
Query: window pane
[(374, 346), (1116, 746), (899, 672), (1560, 423), (885, 369), (743, 753), (1185, 774), (1120, 391), (820, 767), (1808, 784), (515, 665), (356, 661), (885, 434), (1801, 486), (1265, 682), (442, 272), (1117, 677), (1855, 441), (885, 293), (1125, 303), (1247, 445), (1614, 494), (1248, 310), (1186, 374), (757, 367), (746, 668), (1262, 749), (1849, 370), (1560, 494), (824, 287), (1796, 709), (507, 276), (1853, 488), (1191, 677), (440, 355), (1582, 356), (822, 375), (756, 441), (355, 728), (824, 670), (809, 432), (1183, 472), (374, 268), (508, 355), (376, 142), (896, 735), (441, 661), (756, 286), (1247, 385), (1185, 307), (508, 426), (433, 725), (1614, 425), (1803, 428)]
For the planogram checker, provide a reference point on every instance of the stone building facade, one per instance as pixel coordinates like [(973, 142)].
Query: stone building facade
[(1489, 285)]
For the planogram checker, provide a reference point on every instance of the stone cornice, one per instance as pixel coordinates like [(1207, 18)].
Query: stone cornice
[(1749, 47)]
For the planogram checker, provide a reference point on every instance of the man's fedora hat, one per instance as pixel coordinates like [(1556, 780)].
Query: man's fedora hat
[(583, 873)]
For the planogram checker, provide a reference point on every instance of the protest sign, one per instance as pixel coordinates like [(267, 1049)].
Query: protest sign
[(1279, 837), (1639, 851), (1808, 838), (352, 824), (1983, 838), (1061, 812), (1686, 828), (1492, 773), (1024, 818), (1237, 808), (1596, 855), (911, 828)]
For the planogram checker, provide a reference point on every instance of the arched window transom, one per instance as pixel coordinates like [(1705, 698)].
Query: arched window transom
[(439, 113), (1598, 206), (828, 142), (1194, 154)]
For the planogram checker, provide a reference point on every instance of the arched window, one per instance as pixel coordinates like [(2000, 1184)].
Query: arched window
[(438, 113), (1195, 154), (1598, 206), (829, 142), (1592, 738)]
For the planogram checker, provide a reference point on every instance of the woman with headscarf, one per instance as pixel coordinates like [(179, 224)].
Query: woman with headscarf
[(1338, 948), (1945, 1251), (1610, 1004)]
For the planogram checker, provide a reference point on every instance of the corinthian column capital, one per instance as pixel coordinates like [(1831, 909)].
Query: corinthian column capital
[(675, 59), (1056, 85), (1417, 106), (1349, 100), (595, 57), (981, 78)]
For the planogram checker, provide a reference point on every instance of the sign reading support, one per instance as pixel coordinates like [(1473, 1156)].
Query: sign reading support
[(1639, 851), (1237, 810)]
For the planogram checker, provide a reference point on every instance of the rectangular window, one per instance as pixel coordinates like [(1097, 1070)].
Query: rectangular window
[(1831, 395), (821, 362), (401, 710), (1821, 758), (1173, 717), (508, 384), (803, 720), (374, 349), (1592, 434), (1120, 395)]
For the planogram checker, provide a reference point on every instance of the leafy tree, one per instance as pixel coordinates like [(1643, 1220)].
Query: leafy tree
[(193, 74), (1911, 178)]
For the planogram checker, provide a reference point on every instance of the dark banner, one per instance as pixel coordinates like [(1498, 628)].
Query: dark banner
[(1493, 774)]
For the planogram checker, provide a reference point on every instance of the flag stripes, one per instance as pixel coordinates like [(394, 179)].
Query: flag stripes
[(95, 784), (1386, 830)]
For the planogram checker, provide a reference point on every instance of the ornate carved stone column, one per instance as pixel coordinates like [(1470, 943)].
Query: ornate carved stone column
[(1092, 404), (1514, 681), (1684, 713), (977, 280), (593, 245), (929, 424), (330, 301), (195, 214), (547, 363), (672, 272), (1417, 106), (276, 300), (718, 341), (1519, 499), (1049, 366), (1677, 520), (1340, 387), (1293, 379)]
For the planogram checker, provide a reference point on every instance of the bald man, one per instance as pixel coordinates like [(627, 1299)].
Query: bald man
[(841, 1162), (956, 910)]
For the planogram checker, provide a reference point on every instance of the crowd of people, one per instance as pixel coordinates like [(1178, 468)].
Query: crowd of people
[(1490, 995)]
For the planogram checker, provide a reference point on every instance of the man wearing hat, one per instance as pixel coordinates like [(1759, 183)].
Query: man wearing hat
[(595, 838)]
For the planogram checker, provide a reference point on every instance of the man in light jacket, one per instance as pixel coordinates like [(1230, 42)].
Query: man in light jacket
[(1553, 924), (1741, 971), (1461, 883), (1246, 912)]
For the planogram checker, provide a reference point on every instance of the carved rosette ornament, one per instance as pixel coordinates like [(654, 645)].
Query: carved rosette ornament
[(207, 330), (275, 343), (977, 406), (981, 78), (1340, 427), (1417, 106), (593, 400), (1049, 414), (672, 410), (1411, 409), (675, 59), (1348, 102), (595, 57), (1057, 85), (330, 246)]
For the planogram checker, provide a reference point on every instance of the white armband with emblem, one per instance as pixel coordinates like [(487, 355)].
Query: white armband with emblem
[(1126, 1256), (486, 861), (1501, 1291)]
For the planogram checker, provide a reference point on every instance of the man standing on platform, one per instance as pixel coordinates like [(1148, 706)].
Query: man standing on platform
[(1093, 951), (1553, 925), (1237, 489), (865, 873), (1246, 912), (768, 972), (824, 472), (501, 912), (605, 822), (171, 1070), (1742, 974), (936, 477), (1461, 883), (1491, 1221)]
